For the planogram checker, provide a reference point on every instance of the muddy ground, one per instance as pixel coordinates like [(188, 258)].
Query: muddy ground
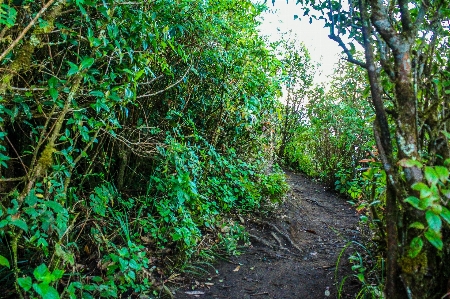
[(292, 255)]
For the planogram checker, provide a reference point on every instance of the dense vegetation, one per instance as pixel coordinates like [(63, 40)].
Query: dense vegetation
[(129, 131), (133, 135)]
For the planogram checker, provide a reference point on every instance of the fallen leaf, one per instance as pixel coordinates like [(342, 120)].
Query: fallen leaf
[(237, 269), (209, 283)]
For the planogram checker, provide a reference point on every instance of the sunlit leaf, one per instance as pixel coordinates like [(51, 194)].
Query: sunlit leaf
[(414, 201), (46, 291), (42, 273), (87, 63), (424, 189), (445, 214), (410, 163)]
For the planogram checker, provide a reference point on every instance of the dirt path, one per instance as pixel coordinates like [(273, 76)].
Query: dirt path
[(293, 256)]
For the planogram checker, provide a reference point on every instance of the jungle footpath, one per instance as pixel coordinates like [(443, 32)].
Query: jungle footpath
[(293, 254)]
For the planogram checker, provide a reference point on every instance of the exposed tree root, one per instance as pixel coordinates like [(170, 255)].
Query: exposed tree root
[(280, 232)]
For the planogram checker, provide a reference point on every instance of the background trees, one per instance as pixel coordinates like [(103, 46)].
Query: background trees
[(297, 80), (333, 130)]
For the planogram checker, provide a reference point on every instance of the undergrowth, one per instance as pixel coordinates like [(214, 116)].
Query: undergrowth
[(132, 134)]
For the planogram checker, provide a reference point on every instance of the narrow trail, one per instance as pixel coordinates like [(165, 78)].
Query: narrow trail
[(293, 255)]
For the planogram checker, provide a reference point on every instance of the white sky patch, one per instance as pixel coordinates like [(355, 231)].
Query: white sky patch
[(280, 18)]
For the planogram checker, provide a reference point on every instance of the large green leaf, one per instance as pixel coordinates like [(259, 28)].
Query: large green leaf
[(87, 63), (4, 261), (42, 273), (20, 224), (25, 283), (434, 238), (430, 175), (415, 247), (414, 201), (46, 291), (445, 214), (434, 221), (422, 188), (442, 173)]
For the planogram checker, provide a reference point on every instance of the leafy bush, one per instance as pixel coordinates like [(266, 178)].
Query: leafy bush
[(130, 131)]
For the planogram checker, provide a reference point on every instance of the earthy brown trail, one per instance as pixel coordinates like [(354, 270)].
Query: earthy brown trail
[(293, 255)]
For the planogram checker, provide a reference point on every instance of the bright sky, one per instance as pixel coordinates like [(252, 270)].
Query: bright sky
[(314, 36)]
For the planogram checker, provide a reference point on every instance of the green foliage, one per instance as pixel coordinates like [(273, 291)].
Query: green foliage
[(43, 279), (366, 269), (4, 262), (433, 200), (274, 185), (8, 15), (130, 130)]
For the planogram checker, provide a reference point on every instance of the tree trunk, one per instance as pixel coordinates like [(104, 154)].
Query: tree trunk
[(384, 144)]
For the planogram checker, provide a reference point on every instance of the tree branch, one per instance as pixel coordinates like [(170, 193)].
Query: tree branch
[(383, 57), (381, 22), (22, 34), (350, 57), (18, 179), (147, 95), (405, 16)]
